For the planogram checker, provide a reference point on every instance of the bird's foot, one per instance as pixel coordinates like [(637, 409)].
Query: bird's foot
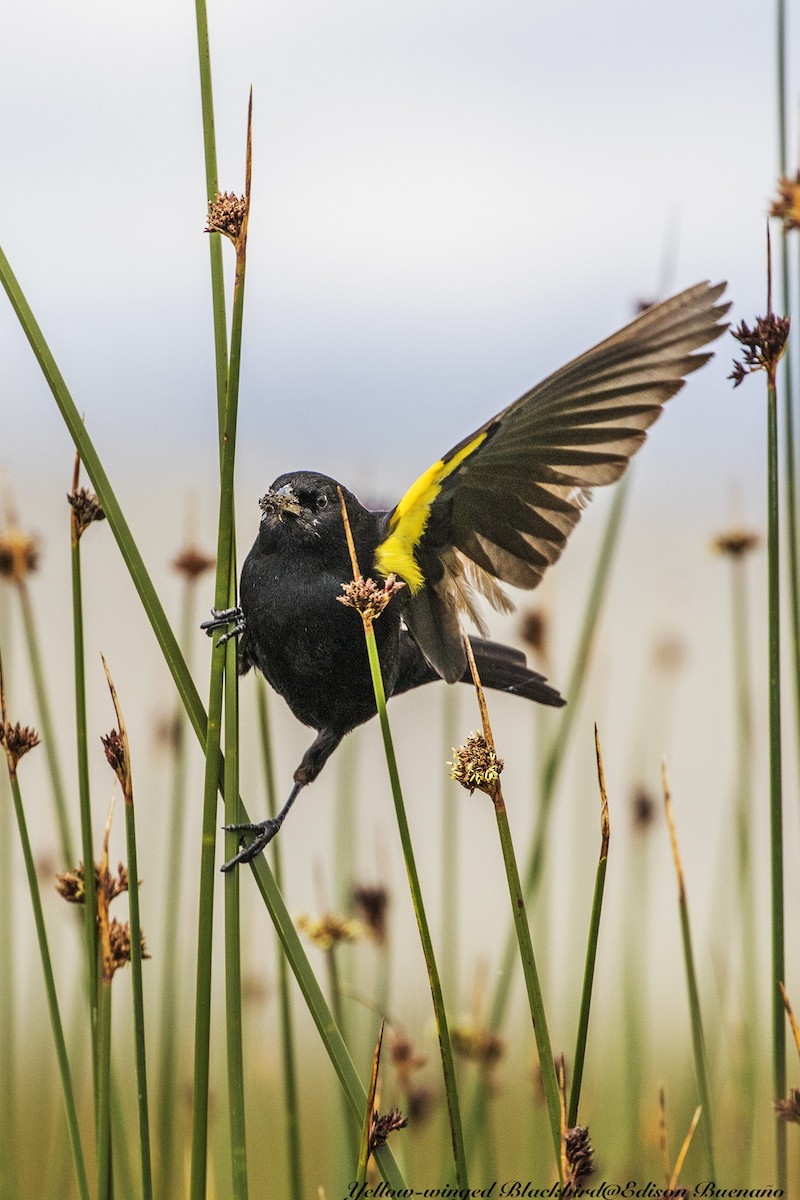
[(264, 830), (221, 617)]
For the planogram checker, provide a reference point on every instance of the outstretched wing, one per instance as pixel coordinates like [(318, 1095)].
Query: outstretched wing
[(501, 504)]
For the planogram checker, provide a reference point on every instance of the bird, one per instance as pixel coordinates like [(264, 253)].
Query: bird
[(495, 509)]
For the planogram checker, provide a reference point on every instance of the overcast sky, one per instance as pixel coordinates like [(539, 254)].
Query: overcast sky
[(450, 199)]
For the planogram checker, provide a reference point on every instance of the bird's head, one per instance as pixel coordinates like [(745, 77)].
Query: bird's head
[(305, 505)]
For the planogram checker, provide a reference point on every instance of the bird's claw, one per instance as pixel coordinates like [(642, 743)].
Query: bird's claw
[(265, 831), (224, 616)]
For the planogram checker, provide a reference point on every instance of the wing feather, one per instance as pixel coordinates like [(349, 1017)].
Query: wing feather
[(506, 498)]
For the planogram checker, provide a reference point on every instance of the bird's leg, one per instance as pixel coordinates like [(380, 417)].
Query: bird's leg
[(312, 763), (221, 617)]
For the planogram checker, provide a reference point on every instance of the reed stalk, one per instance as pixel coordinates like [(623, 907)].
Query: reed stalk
[(591, 948), (445, 1046), (698, 1039), (84, 795), (12, 758), (288, 1056), (198, 717)]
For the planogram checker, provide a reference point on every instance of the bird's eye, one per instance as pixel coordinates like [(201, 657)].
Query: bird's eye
[(322, 500)]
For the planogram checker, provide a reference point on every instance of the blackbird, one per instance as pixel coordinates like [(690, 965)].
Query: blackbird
[(497, 508)]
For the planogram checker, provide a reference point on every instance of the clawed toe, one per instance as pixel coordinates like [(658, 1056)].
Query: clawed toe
[(264, 830)]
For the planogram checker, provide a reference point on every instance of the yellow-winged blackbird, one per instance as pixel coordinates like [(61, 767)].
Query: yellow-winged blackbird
[(499, 506)]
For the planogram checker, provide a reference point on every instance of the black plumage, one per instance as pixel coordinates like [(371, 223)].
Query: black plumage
[(497, 508)]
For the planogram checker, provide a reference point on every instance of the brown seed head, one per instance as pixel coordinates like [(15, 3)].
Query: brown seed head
[(405, 1058), (580, 1155), (329, 930), (533, 629), (736, 543), (115, 753), (18, 740), (419, 1102), (789, 1109), (19, 554), (372, 904), (787, 205), (71, 885), (120, 938), (381, 1127), (478, 1045), (475, 766), (643, 810), (192, 563), (226, 213), (763, 345), (367, 598), (86, 509)]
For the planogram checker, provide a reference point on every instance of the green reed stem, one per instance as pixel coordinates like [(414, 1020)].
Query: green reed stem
[(200, 721), (138, 997), (775, 789), (591, 948), (448, 1066), (171, 941), (790, 447), (104, 1164), (233, 947), (84, 795), (698, 1039), (288, 1057), (551, 771), (46, 722), (52, 994), (450, 850), (744, 826), (9, 1188)]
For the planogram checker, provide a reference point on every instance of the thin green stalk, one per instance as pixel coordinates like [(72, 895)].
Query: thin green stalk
[(544, 1049), (448, 1066), (790, 447), (46, 721), (171, 942), (698, 1040), (122, 766), (84, 795), (225, 589), (233, 948), (50, 988), (450, 851), (288, 1058), (104, 1165), (138, 999), (9, 1188), (775, 789), (591, 948), (337, 1008), (744, 830), (551, 770), (200, 721)]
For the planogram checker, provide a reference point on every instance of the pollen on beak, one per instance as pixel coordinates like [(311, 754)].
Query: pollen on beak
[(279, 502)]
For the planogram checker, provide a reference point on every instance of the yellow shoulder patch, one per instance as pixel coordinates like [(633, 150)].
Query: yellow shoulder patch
[(395, 555)]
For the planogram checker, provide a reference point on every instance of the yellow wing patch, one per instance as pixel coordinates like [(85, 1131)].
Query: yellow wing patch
[(395, 556)]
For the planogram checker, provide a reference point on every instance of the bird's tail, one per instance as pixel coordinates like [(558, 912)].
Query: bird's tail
[(499, 667), (505, 670)]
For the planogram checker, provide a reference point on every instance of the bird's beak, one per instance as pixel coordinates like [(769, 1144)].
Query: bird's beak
[(280, 502)]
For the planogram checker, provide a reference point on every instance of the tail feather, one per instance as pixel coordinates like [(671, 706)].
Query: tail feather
[(500, 667)]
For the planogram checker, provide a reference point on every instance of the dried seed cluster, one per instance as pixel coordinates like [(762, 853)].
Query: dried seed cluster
[(787, 205), (478, 1045), (372, 904), (763, 346), (17, 740), (580, 1155), (86, 509), (789, 1109), (367, 598), (736, 543), (381, 1127), (328, 930), (226, 213), (192, 563), (475, 765), (19, 554)]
